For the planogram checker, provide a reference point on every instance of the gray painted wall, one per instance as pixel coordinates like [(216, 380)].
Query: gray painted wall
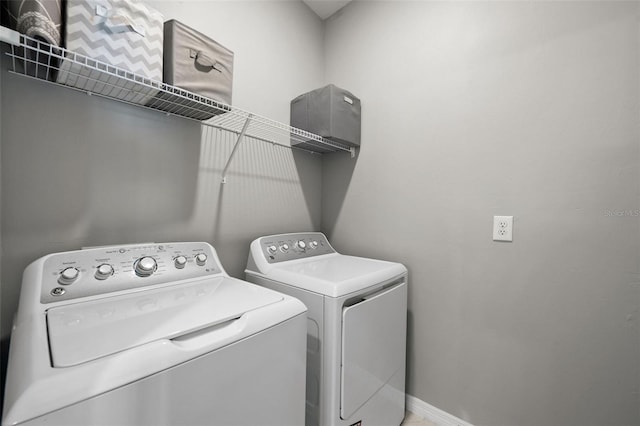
[(80, 171), (475, 109)]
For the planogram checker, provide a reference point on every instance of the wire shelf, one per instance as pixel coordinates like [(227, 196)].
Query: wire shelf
[(39, 60)]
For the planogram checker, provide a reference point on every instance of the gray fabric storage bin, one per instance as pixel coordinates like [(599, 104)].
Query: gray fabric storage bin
[(41, 20), (330, 112), (195, 62), (38, 19), (124, 33)]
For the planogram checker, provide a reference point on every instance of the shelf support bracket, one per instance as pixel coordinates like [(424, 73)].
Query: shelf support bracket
[(235, 147)]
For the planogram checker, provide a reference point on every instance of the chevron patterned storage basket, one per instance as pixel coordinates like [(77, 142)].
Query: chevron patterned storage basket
[(123, 33)]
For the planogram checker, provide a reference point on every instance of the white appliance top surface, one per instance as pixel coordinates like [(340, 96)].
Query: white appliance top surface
[(306, 260), (336, 268), (85, 331), (335, 274)]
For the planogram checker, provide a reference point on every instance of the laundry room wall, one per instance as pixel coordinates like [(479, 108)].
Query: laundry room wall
[(476, 109), (79, 170)]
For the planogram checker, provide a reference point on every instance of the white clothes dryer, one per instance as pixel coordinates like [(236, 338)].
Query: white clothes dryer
[(356, 330), (153, 334)]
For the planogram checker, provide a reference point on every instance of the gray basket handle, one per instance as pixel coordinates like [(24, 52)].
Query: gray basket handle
[(118, 23), (203, 60)]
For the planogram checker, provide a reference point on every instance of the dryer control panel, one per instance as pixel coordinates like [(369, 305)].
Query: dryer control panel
[(99, 270), (284, 247)]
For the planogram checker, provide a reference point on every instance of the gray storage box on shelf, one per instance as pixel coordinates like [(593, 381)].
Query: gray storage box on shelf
[(126, 34), (198, 64), (330, 112), (40, 20)]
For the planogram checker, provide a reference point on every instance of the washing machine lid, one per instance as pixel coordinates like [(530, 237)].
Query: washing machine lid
[(86, 331), (335, 274)]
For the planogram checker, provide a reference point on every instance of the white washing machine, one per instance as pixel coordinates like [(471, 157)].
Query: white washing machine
[(154, 334), (356, 330)]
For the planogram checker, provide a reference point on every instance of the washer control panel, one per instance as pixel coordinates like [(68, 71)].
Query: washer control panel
[(102, 270), (284, 247)]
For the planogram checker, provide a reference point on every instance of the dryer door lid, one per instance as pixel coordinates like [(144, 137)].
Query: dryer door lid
[(87, 331), (373, 347)]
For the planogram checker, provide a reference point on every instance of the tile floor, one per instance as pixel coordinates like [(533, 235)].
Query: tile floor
[(411, 419)]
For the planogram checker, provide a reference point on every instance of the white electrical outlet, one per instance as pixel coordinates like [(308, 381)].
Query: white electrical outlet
[(503, 228)]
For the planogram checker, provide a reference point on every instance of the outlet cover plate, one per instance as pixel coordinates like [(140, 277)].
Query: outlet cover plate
[(503, 228)]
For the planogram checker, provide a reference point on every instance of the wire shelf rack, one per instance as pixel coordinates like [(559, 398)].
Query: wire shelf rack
[(33, 58)]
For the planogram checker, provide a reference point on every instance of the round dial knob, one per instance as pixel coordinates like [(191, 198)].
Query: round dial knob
[(201, 259), (314, 244), (284, 247), (302, 244), (104, 271), (272, 249), (145, 266), (68, 275), (180, 261)]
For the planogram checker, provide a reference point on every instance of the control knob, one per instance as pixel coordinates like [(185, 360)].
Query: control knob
[(180, 261), (314, 244), (272, 249), (104, 271), (201, 259), (68, 275), (145, 266), (284, 248), (302, 244)]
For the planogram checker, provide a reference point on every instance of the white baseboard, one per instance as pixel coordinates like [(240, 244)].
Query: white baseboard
[(433, 414)]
